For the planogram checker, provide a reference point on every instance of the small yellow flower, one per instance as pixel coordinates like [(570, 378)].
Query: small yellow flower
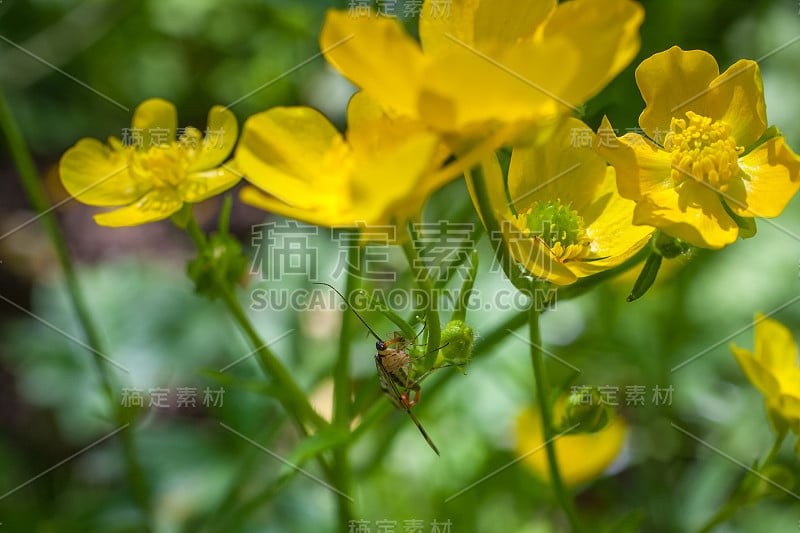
[(699, 168), (153, 173), (484, 64), (380, 173), (568, 221), (773, 369), (582, 457)]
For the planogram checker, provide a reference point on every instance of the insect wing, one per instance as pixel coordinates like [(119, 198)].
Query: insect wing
[(390, 388)]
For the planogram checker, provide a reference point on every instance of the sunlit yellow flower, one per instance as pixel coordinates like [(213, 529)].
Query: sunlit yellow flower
[(485, 64), (772, 369), (701, 166), (380, 173), (565, 220), (153, 172), (582, 457)]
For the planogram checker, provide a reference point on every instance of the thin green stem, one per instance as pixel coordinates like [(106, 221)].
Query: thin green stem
[(723, 515), (736, 501), (776, 447), (35, 192), (423, 280), (293, 398), (545, 410), (342, 402)]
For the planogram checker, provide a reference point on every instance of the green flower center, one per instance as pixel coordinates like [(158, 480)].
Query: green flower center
[(702, 149), (560, 227)]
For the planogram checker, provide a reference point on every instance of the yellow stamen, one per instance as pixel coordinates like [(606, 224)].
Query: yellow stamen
[(702, 149)]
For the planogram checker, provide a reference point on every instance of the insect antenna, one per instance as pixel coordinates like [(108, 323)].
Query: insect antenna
[(350, 307)]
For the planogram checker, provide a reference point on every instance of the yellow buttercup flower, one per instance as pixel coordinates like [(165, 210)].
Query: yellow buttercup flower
[(582, 457), (380, 173), (701, 175), (773, 369), (486, 64), (566, 220), (153, 172)]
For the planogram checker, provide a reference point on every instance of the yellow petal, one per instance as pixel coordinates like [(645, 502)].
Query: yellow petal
[(221, 133), (383, 183), (98, 175), (256, 198), (533, 254), (673, 82), (614, 239), (200, 186), (480, 22), (377, 55), (770, 178), (283, 151), (465, 88), (567, 169), (581, 457), (362, 108), (789, 408), (155, 205), (157, 121), (737, 97), (691, 212), (605, 33), (775, 347), (756, 373), (641, 166)]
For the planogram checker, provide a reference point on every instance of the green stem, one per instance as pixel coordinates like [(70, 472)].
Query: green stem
[(342, 403), (293, 398), (493, 230), (734, 503), (462, 304), (423, 280), (35, 192), (545, 410)]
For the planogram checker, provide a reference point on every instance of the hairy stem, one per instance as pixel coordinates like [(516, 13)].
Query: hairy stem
[(546, 414), (35, 192)]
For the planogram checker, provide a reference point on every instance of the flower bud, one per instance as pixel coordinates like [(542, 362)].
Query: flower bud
[(585, 407), (221, 261), (457, 341)]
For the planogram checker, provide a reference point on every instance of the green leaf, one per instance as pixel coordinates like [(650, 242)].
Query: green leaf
[(315, 445), (256, 386)]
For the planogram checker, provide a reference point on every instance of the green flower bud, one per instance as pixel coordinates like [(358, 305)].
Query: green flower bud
[(457, 341), (585, 407), (221, 262)]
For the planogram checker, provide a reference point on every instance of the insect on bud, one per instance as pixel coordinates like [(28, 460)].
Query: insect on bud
[(457, 341), (585, 407)]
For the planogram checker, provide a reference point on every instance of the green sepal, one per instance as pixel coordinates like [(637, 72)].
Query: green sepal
[(747, 225), (670, 247), (769, 133), (646, 277), (182, 217)]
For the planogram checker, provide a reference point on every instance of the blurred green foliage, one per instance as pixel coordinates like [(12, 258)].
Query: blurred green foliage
[(206, 478)]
